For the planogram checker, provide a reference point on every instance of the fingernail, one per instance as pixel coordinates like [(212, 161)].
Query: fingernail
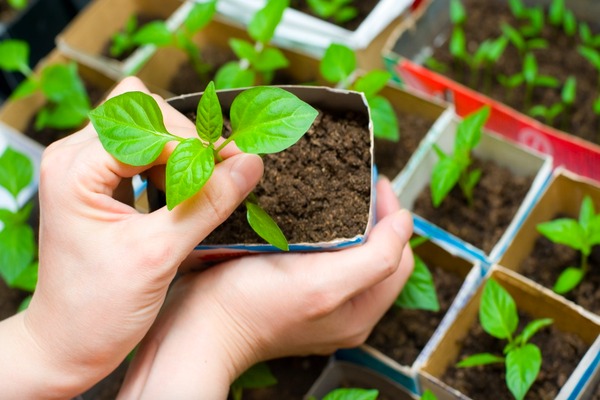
[(246, 171), (402, 223)]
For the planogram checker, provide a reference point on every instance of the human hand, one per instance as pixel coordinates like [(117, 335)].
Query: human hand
[(219, 322), (104, 268)]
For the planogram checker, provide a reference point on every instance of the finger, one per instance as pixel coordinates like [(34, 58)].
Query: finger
[(387, 202)]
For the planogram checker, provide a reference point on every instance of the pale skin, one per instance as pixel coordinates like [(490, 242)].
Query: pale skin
[(105, 271)]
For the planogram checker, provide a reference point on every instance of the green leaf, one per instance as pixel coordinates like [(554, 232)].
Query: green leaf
[(17, 251), (513, 35), (511, 81), (587, 214), (232, 75), (270, 59), (16, 171), (517, 8), (322, 8), (546, 81), (25, 303), (131, 128), (458, 44), (10, 218), (532, 328), (18, 4), (256, 377), (69, 113), (585, 33), (27, 280), (188, 169), (569, 91), (419, 291), (468, 133), (26, 88), (445, 176), (498, 311), (200, 15), (479, 359), (262, 26), (338, 63), (209, 117), (352, 394), (556, 12), (565, 231), (345, 14), (372, 82), (568, 280), (458, 15), (469, 183), (570, 23), (61, 82), (156, 33), (385, 122), (269, 119), (522, 368), (591, 55), (428, 395), (530, 68), (14, 56), (265, 226), (243, 50)]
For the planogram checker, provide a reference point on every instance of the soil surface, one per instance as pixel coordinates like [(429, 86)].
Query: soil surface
[(364, 8), (142, 19), (548, 260), (561, 59), (561, 352), (295, 376), (497, 197), (402, 334), (317, 190), (391, 157)]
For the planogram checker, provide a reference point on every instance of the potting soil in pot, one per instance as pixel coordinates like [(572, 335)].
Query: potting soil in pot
[(497, 197), (561, 352), (364, 8)]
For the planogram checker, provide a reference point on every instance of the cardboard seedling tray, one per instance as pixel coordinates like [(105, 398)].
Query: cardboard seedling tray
[(518, 159), (413, 42), (407, 375), (534, 300), (88, 34), (318, 97)]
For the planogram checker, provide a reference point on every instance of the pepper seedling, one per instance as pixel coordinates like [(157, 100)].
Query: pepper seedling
[(498, 317), (581, 235), (561, 17), (256, 377), (534, 15), (522, 44), (593, 57), (18, 249), (257, 62), (339, 11), (587, 37), (157, 33), (67, 100), (453, 169), (339, 66), (567, 100), (350, 394), (428, 395), (263, 120)]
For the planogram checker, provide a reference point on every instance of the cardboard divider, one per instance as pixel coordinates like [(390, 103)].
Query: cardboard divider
[(537, 302)]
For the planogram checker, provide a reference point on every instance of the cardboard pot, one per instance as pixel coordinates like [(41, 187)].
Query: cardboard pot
[(536, 302)]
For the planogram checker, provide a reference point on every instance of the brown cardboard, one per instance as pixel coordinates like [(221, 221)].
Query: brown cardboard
[(530, 298), (165, 62)]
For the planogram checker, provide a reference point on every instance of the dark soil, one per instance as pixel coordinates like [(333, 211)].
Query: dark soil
[(548, 260), (317, 190), (142, 19), (497, 197), (402, 334), (391, 157), (561, 352), (295, 376), (364, 8), (560, 60)]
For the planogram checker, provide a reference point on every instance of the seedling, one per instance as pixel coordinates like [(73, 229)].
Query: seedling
[(498, 317), (263, 120), (581, 235), (257, 377), (18, 4), (567, 99), (560, 17), (593, 57), (419, 291), (454, 168), (339, 11), (67, 100), (339, 66), (157, 33), (522, 44), (350, 394), (18, 249), (587, 37), (533, 15), (428, 395), (257, 62)]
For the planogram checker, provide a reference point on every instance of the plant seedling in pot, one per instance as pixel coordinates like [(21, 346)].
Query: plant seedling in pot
[(350, 394), (257, 62), (567, 99), (581, 235), (522, 359), (593, 57), (257, 377), (453, 169), (263, 120), (339, 11), (18, 249), (67, 101), (560, 16), (339, 66)]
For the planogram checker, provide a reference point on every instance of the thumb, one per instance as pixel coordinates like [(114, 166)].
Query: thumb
[(192, 220)]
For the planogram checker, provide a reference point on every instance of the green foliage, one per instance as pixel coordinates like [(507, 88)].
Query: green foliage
[(257, 62), (18, 4), (350, 394), (568, 95), (587, 37), (428, 395), (339, 66), (522, 44), (18, 249), (454, 168), (580, 234), (498, 317), (561, 17), (339, 10), (258, 376), (263, 120)]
